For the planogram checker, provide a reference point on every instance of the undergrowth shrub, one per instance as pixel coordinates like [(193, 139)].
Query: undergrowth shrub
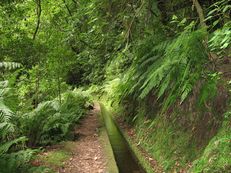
[(16, 162), (221, 40), (168, 69), (14, 158), (51, 121)]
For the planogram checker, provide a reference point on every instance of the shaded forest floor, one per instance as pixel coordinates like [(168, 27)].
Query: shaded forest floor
[(84, 155)]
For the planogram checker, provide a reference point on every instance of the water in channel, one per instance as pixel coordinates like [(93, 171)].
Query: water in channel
[(123, 156)]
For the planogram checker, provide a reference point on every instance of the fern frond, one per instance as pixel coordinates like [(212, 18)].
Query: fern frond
[(6, 146), (187, 88), (169, 69), (10, 65)]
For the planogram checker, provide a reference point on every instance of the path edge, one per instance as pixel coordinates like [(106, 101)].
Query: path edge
[(111, 166), (142, 161)]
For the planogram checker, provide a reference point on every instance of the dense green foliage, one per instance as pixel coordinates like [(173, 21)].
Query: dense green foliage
[(176, 90), (49, 123), (172, 71), (163, 65)]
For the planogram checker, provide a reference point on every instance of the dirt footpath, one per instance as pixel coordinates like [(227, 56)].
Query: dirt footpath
[(88, 154)]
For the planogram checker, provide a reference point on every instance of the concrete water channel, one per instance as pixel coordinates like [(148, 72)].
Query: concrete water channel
[(125, 159)]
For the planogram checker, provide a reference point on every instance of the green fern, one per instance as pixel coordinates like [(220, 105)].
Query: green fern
[(10, 65), (6, 146), (8, 102), (17, 162), (169, 70), (51, 121), (187, 88), (209, 89)]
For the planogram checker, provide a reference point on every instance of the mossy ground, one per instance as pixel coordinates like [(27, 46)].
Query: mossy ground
[(175, 149), (55, 158), (216, 157), (167, 143)]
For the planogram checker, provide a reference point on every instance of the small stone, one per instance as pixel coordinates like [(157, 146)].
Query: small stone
[(150, 159)]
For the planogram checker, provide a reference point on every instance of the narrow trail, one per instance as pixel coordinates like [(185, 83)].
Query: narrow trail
[(88, 154)]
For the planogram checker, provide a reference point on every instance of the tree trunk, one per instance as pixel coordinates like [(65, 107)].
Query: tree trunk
[(38, 11), (200, 13), (59, 90), (37, 85)]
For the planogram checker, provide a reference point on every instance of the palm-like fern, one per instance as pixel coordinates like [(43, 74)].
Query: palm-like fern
[(17, 162), (9, 161), (7, 145), (170, 69), (51, 121), (6, 114)]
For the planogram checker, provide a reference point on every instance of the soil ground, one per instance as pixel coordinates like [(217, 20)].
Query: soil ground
[(88, 154)]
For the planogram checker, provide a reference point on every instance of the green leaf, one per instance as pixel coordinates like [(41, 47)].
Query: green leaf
[(215, 23)]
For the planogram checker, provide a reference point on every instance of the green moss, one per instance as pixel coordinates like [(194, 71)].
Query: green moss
[(41, 169), (111, 165), (167, 142), (217, 155), (68, 146), (141, 158), (108, 152), (55, 158), (173, 146)]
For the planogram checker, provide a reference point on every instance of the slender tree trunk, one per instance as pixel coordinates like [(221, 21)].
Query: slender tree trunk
[(37, 85), (200, 12), (38, 12), (59, 89)]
